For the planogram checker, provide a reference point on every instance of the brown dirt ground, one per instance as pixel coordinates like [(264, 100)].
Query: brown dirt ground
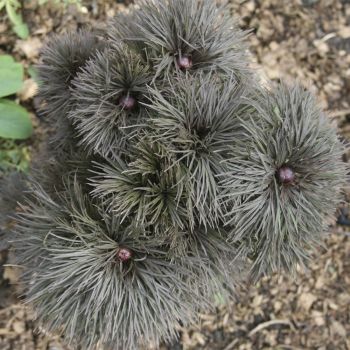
[(308, 40)]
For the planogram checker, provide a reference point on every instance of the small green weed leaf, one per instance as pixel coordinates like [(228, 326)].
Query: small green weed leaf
[(14, 156), (14, 121), (219, 299), (21, 30), (19, 27), (11, 75), (33, 73)]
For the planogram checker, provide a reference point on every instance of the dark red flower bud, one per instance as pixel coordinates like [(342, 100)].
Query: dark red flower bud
[(124, 254), (127, 102), (285, 175), (184, 62)]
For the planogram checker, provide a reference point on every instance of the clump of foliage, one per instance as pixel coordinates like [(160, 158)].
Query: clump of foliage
[(14, 156), (60, 2), (15, 128), (171, 177), (12, 188), (15, 122), (13, 8)]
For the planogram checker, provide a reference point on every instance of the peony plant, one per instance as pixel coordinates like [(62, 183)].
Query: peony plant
[(172, 175)]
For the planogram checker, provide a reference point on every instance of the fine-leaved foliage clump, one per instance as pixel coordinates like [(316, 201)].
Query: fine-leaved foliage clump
[(171, 175)]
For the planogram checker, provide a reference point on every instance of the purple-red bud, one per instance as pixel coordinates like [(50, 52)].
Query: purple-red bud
[(124, 254), (127, 102), (184, 62), (286, 175)]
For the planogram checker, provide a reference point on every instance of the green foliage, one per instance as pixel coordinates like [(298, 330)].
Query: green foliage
[(11, 75), (33, 73), (61, 2), (171, 175), (12, 187), (12, 9), (15, 122), (13, 157)]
